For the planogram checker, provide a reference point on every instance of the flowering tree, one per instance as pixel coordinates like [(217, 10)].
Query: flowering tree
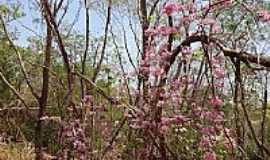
[(197, 79), (188, 100)]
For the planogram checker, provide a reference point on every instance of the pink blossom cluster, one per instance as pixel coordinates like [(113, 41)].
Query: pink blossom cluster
[(264, 15), (87, 100), (187, 19), (144, 68), (167, 122), (218, 70), (177, 102), (176, 119), (175, 7), (219, 74), (216, 101), (210, 156), (213, 116), (73, 135), (161, 30), (186, 51), (164, 125), (207, 143), (171, 8), (155, 62)]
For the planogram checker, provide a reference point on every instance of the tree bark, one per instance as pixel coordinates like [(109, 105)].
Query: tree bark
[(44, 94), (87, 32)]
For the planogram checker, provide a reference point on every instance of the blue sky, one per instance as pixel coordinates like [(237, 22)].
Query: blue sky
[(97, 22), (20, 25)]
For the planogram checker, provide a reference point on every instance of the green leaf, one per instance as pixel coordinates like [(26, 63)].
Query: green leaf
[(197, 54), (151, 19), (4, 9)]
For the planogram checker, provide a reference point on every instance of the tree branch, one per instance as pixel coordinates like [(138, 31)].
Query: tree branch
[(19, 59), (51, 23), (233, 53), (13, 90), (97, 70)]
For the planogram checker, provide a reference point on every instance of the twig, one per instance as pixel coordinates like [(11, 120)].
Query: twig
[(99, 90), (20, 59), (97, 69)]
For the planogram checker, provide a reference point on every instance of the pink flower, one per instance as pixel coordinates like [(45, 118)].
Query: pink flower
[(210, 156), (207, 130), (157, 71), (219, 73), (230, 144), (188, 19), (160, 103), (179, 119), (87, 99), (149, 54), (166, 121), (145, 124), (216, 101), (219, 84), (164, 129), (217, 60), (213, 116), (144, 70), (161, 30), (165, 55), (140, 124), (264, 15), (170, 8), (191, 7), (205, 143), (216, 28), (209, 21), (218, 119), (186, 50), (151, 32), (165, 30), (227, 131)]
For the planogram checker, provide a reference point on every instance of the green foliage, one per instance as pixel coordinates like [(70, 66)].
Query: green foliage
[(11, 11), (4, 9), (198, 54), (7, 67)]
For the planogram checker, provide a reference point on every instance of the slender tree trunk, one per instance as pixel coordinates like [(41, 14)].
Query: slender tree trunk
[(264, 113), (240, 138), (44, 94), (103, 50), (87, 32), (144, 27)]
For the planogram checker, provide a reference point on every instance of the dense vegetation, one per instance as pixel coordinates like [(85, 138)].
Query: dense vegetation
[(134, 79)]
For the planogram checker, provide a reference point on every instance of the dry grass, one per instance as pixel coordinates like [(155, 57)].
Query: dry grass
[(16, 152)]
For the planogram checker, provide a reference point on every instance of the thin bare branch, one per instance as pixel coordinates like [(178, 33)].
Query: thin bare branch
[(19, 59), (98, 68)]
